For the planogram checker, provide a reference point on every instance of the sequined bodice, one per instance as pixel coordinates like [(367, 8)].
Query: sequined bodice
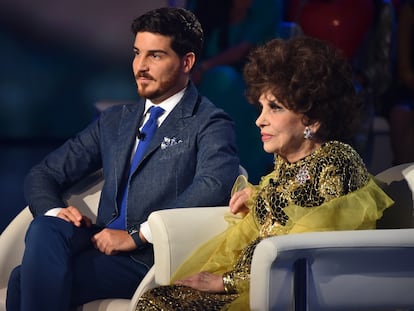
[(331, 171)]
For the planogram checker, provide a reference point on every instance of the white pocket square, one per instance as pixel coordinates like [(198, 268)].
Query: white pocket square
[(168, 142)]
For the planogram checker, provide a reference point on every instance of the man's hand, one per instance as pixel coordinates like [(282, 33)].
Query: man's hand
[(73, 215), (204, 281), (111, 241)]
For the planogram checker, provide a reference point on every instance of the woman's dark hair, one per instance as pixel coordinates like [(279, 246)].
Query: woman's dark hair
[(308, 76), (179, 24)]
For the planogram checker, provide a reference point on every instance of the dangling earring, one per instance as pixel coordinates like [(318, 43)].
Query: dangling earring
[(307, 133)]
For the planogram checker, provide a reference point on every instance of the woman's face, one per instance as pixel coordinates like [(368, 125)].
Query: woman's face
[(282, 130)]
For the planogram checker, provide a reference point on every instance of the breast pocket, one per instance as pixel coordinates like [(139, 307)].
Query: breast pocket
[(172, 148)]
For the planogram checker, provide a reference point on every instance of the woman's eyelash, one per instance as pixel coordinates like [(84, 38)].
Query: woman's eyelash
[(274, 105)]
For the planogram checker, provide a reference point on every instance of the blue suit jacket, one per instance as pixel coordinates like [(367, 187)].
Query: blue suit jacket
[(199, 170)]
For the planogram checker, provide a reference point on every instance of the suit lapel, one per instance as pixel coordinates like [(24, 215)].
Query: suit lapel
[(130, 121), (176, 121)]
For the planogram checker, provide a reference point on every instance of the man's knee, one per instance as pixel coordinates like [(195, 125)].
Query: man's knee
[(45, 225), (46, 230), (55, 234)]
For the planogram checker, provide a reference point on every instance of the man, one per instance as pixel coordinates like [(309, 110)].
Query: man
[(189, 161)]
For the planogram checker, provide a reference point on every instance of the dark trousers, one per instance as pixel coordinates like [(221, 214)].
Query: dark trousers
[(61, 269)]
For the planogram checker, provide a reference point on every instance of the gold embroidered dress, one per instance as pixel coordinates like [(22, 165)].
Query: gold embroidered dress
[(325, 191)]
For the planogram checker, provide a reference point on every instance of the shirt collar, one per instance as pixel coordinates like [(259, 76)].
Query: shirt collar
[(168, 104)]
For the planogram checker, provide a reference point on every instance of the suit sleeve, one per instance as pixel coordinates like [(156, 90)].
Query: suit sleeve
[(46, 182), (217, 164)]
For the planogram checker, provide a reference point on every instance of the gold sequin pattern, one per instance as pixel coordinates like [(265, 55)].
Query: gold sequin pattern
[(177, 297), (228, 282), (239, 277), (331, 171)]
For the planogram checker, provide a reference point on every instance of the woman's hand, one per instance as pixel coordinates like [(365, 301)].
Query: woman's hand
[(238, 201), (204, 281)]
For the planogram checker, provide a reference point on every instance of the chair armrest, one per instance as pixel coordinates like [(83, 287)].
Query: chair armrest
[(12, 244), (178, 232), (343, 269)]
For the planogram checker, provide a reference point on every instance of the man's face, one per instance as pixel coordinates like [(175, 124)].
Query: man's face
[(159, 72)]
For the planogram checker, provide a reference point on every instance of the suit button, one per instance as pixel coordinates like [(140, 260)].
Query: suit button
[(113, 214)]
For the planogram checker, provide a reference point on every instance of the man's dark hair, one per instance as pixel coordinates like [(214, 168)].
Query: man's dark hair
[(179, 24)]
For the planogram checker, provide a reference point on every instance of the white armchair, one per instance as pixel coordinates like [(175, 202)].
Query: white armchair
[(84, 195), (342, 270)]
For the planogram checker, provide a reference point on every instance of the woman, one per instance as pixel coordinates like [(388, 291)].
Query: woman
[(308, 106)]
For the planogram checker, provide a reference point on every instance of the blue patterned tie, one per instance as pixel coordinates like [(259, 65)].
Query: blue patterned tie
[(147, 132)]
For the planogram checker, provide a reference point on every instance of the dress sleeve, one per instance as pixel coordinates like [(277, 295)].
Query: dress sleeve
[(237, 280)]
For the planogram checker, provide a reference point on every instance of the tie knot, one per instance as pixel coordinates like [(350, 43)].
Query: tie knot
[(155, 112)]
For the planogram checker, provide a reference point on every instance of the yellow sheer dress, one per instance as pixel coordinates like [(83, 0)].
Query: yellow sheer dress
[(325, 191)]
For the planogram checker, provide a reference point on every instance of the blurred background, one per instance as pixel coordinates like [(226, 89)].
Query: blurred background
[(60, 59)]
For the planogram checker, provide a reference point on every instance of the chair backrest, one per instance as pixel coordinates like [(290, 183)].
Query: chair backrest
[(398, 183)]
